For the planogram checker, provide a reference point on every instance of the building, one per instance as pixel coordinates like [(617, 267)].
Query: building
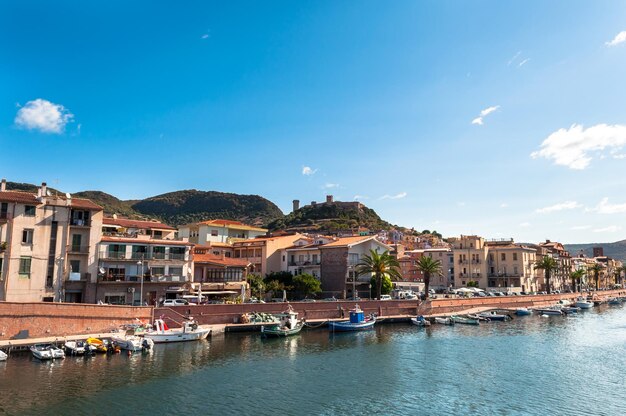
[(305, 256), (47, 245), (559, 278), (339, 259), (219, 231), (264, 253), (498, 265), (136, 256), (217, 276)]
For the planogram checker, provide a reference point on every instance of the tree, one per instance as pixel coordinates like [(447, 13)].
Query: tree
[(596, 269), (379, 265), (306, 284), (472, 283), (428, 267), (274, 286), (577, 276), (286, 278), (256, 284), (386, 287), (548, 264)]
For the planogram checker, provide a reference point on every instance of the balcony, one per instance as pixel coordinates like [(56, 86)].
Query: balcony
[(504, 275), (121, 255), (137, 279), (78, 277), (304, 263), (78, 250), (4, 217), (114, 255), (79, 222)]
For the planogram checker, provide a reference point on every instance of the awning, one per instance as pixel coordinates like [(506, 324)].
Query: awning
[(218, 292)]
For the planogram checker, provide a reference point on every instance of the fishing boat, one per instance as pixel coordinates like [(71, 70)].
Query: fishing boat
[(420, 321), (3, 356), (75, 347), (444, 321), (583, 303), (288, 324), (494, 316), (189, 332), (464, 320), (615, 302), (522, 311), (549, 311), (357, 322), (46, 351), (131, 342)]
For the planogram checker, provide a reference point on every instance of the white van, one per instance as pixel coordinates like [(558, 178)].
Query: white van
[(385, 297)]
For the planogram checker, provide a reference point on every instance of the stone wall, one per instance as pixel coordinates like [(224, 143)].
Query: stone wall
[(39, 319)]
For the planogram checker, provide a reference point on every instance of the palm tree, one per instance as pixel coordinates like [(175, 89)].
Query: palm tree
[(379, 265), (596, 269), (622, 269), (548, 264), (428, 267), (577, 276)]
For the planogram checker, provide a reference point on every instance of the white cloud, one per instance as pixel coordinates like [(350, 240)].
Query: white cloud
[(609, 229), (580, 227), (484, 113), (525, 225), (359, 197), (397, 196), (44, 116), (331, 185), (307, 170), (461, 204), (205, 36), (559, 207), (619, 38), (504, 205), (572, 147), (524, 62), (604, 207), (514, 58)]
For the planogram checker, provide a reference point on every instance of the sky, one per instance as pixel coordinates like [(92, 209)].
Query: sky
[(502, 119)]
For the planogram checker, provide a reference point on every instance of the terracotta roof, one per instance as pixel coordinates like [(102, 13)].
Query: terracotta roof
[(85, 204), (232, 224), (144, 225), (19, 197), (145, 242), (219, 260), (305, 247), (212, 244), (349, 241)]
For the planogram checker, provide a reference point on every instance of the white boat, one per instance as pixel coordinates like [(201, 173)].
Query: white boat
[(420, 321), (75, 347), (3, 356), (189, 332), (444, 321), (46, 351), (583, 304), (131, 342)]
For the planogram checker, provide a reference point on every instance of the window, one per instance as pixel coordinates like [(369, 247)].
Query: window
[(503, 256), (75, 266), (27, 236), (176, 271), (213, 233), (29, 210), (24, 270), (227, 254), (76, 241), (515, 270), (514, 256), (157, 271)]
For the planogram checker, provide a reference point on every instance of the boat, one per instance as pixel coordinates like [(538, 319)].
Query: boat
[(75, 347), (522, 312), (464, 320), (583, 303), (494, 316), (46, 351), (570, 309), (420, 321), (131, 342), (102, 346), (189, 332), (549, 311), (444, 321), (357, 322), (288, 324), (3, 356), (615, 302)]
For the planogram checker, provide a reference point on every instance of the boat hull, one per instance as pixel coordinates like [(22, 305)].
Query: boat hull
[(177, 336), (274, 331), (522, 312), (465, 321), (444, 321), (555, 312), (420, 322), (346, 326), (584, 305), (3, 356)]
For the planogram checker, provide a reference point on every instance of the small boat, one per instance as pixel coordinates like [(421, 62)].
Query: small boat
[(97, 345), (522, 312), (568, 310), (420, 321), (189, 332), (549, 311), (444, 321), (494, 316), (357, 322), (288, 324), (46, 351), (131, 342), (583, 303), (464, 320), (75, 347), (3, 356), (615, 302)]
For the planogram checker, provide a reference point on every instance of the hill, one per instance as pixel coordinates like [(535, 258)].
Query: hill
[(111, 204), (616, 250), (331, 217)]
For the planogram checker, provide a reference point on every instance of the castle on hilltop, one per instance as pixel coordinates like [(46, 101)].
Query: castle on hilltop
[(329, 201)]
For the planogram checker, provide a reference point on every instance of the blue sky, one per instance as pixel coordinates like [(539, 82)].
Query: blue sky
[(376, 100)]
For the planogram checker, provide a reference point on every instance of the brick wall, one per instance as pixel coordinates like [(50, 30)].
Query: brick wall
[(333, 270), (32, 320)]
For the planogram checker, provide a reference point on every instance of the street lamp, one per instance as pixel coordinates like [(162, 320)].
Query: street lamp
[(140, 264)]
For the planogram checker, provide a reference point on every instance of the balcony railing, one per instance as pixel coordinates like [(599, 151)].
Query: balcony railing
[(78, 277), (80, 222), (504, 275), (305, 263), (117, 255), (120, 255), (137, 279), (78, 250)]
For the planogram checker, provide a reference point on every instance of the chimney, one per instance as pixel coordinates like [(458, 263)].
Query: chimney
[(296, 204), (329, 199), (44, 189), (3, 185), (114, 216)]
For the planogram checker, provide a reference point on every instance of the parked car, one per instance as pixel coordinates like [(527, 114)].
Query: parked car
[(308, 300), (385, 297), (175, 302), (333, 299)]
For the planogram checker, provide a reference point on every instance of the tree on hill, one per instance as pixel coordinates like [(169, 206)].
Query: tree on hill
[(429, 267), (379, 266)]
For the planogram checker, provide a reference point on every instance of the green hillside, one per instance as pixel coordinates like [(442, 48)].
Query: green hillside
[(616, 250)]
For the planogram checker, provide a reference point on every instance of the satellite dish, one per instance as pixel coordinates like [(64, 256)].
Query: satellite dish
[(101, 270), (48, 193), (68, 196)]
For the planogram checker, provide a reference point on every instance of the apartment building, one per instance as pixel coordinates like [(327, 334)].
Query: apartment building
[(559, 278), (217, 276), (219, 231), (304, 256), (264, 253), (47, 245)]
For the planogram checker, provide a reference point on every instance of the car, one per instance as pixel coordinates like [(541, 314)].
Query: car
[(385, 297), (333, 299), (355, 298), (481, 294), (308, 300), (490, 294), (175, 302)]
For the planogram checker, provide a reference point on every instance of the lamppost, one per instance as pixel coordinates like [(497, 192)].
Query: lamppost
[(140, 264)]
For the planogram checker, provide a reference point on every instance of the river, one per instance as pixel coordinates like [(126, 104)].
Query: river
[(573, 365)]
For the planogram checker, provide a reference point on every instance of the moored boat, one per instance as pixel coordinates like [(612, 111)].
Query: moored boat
[(75, 347), (570, 309), (444, 321), (288, 324), (549, 311), (3, 356), (464, 320), (420, 321), (46, 351), (189, 332), (615, 302), (583, 303), (494, 316), (131, 342), (357, 322), (522, 312)]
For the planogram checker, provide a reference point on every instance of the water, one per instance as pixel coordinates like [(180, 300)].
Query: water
[(529, 366)]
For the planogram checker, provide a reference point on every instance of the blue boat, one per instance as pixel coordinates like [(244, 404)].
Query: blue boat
[(522, 312), (357, 322)]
